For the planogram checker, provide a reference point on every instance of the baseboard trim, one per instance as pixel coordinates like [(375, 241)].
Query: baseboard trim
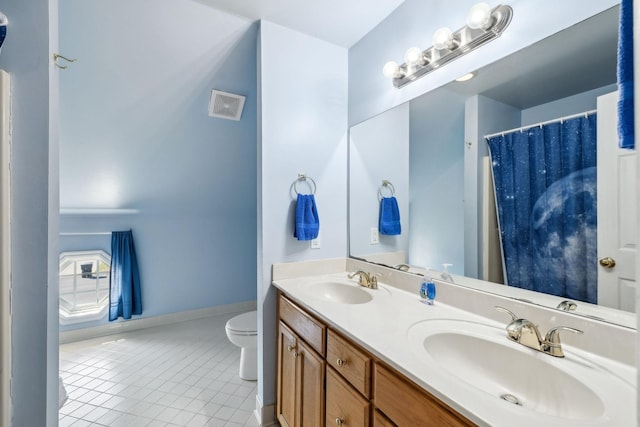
[(265, 415), (150, 322)]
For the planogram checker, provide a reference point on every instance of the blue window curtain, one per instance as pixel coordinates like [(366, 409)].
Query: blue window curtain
[(545, 185), (124, 283)]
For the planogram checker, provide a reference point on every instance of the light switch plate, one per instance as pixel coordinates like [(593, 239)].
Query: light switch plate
[(315, 243), (375, 238)]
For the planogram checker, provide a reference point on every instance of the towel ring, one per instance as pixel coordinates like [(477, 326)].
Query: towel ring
[(303, 177), (386, 184)]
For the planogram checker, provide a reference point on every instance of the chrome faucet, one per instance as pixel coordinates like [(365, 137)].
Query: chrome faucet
[(567, 305), (402, 267), (368, 280), (525, 332)]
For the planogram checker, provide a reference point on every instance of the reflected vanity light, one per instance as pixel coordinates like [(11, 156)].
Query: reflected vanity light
[(466, 77), (483, 25)]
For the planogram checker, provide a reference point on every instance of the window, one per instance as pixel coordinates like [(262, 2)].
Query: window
[(84, 286)]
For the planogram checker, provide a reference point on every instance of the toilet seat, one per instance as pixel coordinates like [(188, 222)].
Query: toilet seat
[(244, 324)]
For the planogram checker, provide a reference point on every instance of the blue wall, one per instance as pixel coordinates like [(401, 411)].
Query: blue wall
[(413, 24), (437, 181), (303, 128), (135, 134)]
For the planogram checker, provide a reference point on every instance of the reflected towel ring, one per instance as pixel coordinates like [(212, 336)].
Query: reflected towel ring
[(303, 177), (386, 184)]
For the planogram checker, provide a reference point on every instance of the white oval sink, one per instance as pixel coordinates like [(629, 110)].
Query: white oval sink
[(341, 293), (529, 382)]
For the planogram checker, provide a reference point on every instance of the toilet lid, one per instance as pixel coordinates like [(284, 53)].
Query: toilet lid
[(245, 323)]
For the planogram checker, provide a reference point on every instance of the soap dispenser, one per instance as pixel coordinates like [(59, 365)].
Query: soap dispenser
[(445, 275), (427, 290)]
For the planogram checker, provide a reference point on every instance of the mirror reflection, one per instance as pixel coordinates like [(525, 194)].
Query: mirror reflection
[(433, 152)]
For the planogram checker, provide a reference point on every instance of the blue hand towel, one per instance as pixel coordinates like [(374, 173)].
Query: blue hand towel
[(389, 222), (625, 76), (307, 221)]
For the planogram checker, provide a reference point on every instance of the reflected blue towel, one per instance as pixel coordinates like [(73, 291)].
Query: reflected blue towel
[(625, 76), (307, 221), (389, 222)]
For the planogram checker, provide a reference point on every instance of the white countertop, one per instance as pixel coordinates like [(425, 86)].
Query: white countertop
[(382, 327)]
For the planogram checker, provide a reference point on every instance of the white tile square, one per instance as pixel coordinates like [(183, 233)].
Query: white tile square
[(183, 418), (167, 414), (109, 417), (83, 410), (225, 413), (97, 413)]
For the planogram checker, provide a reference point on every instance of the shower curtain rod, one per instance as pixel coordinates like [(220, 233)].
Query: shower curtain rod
[(93, 233), (561, 119)]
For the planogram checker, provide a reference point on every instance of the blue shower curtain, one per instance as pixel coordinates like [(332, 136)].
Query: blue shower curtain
[(545, 184), (124, 283)]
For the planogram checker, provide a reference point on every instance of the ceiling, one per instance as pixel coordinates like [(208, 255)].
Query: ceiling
[(341, 22)]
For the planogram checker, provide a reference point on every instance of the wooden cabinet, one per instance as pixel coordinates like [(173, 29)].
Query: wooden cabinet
[(405, 404), (348, 388), (351, 362), (301, 378), (345, 406), (379, 420)]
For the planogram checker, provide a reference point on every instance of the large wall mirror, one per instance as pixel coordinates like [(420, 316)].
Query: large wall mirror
[(431, 155)]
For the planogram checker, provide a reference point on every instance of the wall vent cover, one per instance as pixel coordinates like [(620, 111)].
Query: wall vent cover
[(226, 105)]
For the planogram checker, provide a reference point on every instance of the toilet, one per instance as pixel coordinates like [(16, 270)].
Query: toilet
[(242, 331)]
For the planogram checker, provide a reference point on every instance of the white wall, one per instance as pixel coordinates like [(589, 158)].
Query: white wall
[(303, 128), (26, 56), (378, 149)]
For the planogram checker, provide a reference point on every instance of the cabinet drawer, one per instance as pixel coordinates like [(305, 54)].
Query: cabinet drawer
[(407, 405), (305, 326), (352, 363), (344, 406)]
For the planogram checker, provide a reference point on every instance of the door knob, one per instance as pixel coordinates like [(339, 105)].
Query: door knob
[(608, 262)]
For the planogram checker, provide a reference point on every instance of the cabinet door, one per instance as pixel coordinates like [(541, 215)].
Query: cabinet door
[(345, 406), (311, 376), (287, 355), (379, 420)]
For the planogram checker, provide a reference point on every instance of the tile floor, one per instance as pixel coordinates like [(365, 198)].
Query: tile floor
[(184, 374)]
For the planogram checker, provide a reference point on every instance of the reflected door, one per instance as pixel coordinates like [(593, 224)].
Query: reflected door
[(617, 228)]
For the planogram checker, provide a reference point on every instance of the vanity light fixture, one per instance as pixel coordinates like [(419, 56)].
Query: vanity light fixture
[(483, 25)]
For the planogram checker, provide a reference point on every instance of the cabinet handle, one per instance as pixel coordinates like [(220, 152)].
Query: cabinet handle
[(296, 354), (339, 421), (341, 362), (291, 347)]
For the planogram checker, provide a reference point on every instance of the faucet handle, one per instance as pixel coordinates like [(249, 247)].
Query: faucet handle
[(567, 305), (373, 279), (509, 312), (552, 343)]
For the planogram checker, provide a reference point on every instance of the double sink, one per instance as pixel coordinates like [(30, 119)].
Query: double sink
[(476, 356)]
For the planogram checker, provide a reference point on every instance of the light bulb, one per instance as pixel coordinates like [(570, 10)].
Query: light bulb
[(442, 38), (391, 69), (413, 56), (479, 16)]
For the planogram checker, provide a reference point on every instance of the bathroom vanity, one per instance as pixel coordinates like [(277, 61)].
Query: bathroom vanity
[(352, 356), (361, 390)]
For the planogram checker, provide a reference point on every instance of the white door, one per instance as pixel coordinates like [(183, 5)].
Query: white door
[(617, 228)]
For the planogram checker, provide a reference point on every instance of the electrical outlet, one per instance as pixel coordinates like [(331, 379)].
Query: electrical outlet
[(375, 238), (315, 243)]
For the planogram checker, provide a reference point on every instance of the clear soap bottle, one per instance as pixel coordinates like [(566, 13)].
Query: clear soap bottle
[(428, 290)]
